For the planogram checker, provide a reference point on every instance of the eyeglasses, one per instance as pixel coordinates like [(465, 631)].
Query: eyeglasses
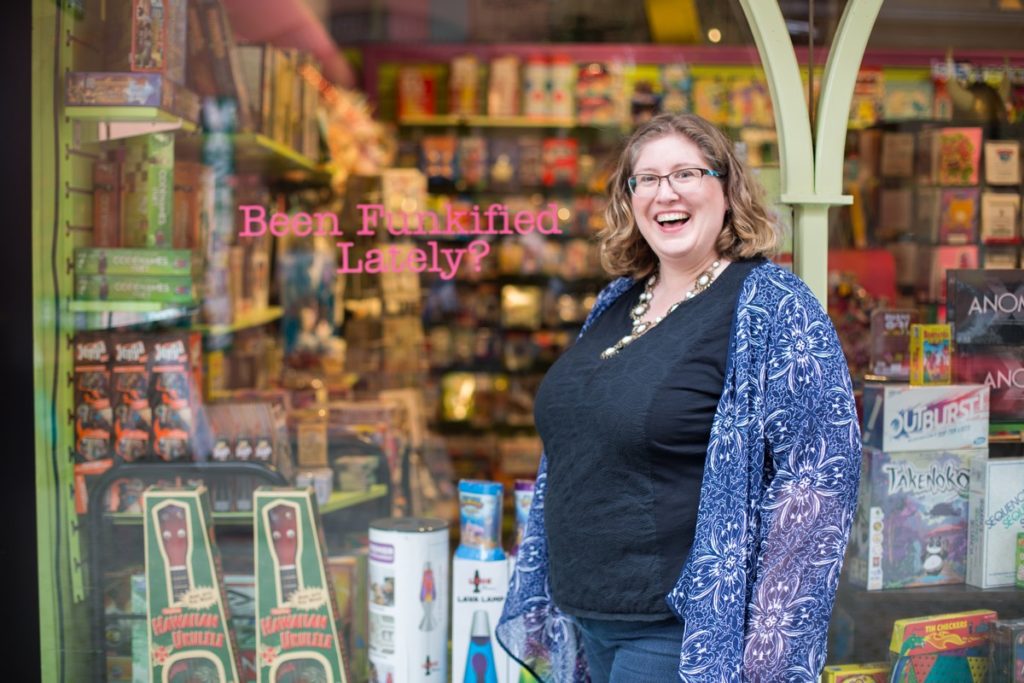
[(683, 180)]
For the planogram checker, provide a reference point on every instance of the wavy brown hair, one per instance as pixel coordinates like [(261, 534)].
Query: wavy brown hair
[(748, 231)]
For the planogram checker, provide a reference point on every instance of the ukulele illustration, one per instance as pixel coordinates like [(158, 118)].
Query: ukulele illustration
[(176, 545), (285, 544)]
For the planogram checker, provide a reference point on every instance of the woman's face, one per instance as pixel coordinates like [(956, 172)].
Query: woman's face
[(681, 226)]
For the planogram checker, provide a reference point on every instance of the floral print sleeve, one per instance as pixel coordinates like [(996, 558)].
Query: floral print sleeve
[(811, 473)]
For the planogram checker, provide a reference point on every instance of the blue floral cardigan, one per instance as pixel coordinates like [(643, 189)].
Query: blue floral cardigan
[(776, 504)]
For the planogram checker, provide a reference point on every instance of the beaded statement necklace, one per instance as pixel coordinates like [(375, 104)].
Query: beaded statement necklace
[(637, 313)]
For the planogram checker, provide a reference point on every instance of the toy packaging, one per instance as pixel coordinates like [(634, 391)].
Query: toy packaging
[(999, 257), (1002, 162), (897, 155), (1019, 564), (125, 89), (187, 613), (1000, 212), (537, 87), (479, 589), (942, 648), (439, 159), (1001, 368), (906, 418), (597, 88), (996, 517), (986, 307), (958, 215), (417, 92), (873, 672), (149, 191), (133, 417), (106, 201), (935, 262), (409, 599), (503, 87), (959, 154), (348, 574), (931, 354), (174, 395), (890, 342), (464, 86), (94, 418), (147, 36), (472, 158), (175, 262), (560, 158), (297, 634), (166, 289), (480, 508), (1007, 651), (911, 525)]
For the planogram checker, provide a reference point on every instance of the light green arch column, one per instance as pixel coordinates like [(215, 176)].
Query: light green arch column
[(812, 174)]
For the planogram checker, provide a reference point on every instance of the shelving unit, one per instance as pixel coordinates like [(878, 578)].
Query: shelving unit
[(105, 315), (116, 123), (255, 152), (254, 319)]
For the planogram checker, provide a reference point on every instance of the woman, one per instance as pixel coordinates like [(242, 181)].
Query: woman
[(701, 444)]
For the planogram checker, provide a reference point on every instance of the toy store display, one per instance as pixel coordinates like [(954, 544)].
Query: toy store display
[(187, 614), (138, 397), (872, 672), (408, 599), (931, 354), (297, 635), (995, 517)]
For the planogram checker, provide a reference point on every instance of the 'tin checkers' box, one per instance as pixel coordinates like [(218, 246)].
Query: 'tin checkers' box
[(904, 418)]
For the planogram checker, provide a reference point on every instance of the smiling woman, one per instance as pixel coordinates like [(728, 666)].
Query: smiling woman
[(699, 438)]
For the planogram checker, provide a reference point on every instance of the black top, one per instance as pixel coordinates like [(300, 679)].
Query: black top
[(625, 440)]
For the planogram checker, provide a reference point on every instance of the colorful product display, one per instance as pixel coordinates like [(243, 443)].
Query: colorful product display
[(408, 600), (905, 418), (297, 635), (911, 524), (187, 614), (942, 648), (996, 517), (133, 262), (480, 517)]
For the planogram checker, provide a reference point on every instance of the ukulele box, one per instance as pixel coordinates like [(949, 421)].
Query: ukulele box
[(296, 612), (186, 611)]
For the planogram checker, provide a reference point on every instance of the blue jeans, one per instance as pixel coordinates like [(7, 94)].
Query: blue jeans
[(632, 651)]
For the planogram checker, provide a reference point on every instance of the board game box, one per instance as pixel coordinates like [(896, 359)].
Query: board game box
[(1001, 369), (996, 516), (890, 342), (911, 524), (1008, 651), (898, 417), (942, 648), (873, 672), (986, 307)]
